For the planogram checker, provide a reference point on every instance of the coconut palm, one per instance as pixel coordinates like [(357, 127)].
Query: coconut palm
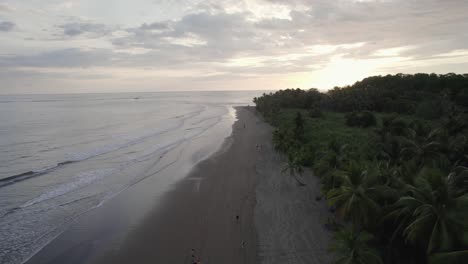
[(390, 149), (283, 139), (294, 167), (299, 127), (329, 165), (420, 146), (354, 198), (431, 215), (459, 180), (390, 185), (455, 147), (335, 157), (351, 247), (453, 257)]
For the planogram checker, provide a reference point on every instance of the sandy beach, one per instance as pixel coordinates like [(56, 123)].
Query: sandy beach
[(234, 207), (201, 212), (279, 222)]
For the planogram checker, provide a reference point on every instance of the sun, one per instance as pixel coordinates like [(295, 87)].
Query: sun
[(342, 70)]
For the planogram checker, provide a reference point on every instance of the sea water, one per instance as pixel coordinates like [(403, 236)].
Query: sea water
[(62, 156)]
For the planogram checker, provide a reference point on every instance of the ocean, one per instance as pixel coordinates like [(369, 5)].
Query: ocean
[(64, 156)]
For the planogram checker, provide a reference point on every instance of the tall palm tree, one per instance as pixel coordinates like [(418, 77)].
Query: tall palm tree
[(283, 140), (422, 147), (352, 248), (335, 157), (294, 167), (431, 214), (354, 198), (455, 148), (459, 180), (329, 165), (390, 149)]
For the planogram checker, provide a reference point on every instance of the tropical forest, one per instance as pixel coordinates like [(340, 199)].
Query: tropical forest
[(391, 153)]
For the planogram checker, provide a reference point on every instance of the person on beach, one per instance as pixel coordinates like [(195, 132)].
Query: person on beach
[(194, 261)]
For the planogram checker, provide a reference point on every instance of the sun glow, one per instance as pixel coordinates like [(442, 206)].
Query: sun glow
[(341, 71)]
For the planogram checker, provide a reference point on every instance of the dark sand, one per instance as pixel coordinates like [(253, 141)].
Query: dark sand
[(200, 213), (289, 220), (279, 221)]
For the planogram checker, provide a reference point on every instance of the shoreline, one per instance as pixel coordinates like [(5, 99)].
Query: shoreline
[(201, 211), (236, 206)]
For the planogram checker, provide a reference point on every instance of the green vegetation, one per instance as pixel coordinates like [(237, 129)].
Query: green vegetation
[(392, 156)]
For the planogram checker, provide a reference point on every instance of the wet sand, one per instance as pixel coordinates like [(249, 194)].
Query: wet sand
[(201, 211)]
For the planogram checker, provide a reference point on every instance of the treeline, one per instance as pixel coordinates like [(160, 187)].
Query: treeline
[(400, 183), (429, 96)]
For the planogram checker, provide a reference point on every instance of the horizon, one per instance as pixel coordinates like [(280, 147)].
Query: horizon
[(195, 91), (82, 47), (161, 91)]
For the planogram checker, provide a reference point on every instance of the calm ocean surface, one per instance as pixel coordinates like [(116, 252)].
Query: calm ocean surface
[(63, 155)]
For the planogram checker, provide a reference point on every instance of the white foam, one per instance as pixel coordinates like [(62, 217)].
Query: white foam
[(83, 179)]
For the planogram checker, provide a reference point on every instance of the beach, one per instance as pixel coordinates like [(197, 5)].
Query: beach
[(279, 222), (201, 212), (234, 207)]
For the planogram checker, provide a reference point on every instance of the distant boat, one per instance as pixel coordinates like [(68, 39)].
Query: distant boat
[(136, 98)]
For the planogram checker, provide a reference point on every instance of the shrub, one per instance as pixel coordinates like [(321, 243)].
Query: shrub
[(352, 119), (363, 119), (368, 119), (315, 112)]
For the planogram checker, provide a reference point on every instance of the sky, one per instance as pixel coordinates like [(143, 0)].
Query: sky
[(51, 46)]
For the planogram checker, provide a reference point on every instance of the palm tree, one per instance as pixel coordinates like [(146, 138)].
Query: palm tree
[(431, 214), (352, 248), (455, 148), (421, 147), (294, 167), (329, 166), (390, 185), (283, 140), (354, 198), (459, 180), (390, 149), (453, 257), (299, 127), (334, 158)]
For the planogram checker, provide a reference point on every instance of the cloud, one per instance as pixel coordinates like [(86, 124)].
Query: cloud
[(203, 36), (5, 8), (154, 26), (259, 37), (73, 29), (217, 32), (6, 26), (68, 58)]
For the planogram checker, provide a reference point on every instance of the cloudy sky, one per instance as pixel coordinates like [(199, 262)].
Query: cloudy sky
[(52, 46)]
